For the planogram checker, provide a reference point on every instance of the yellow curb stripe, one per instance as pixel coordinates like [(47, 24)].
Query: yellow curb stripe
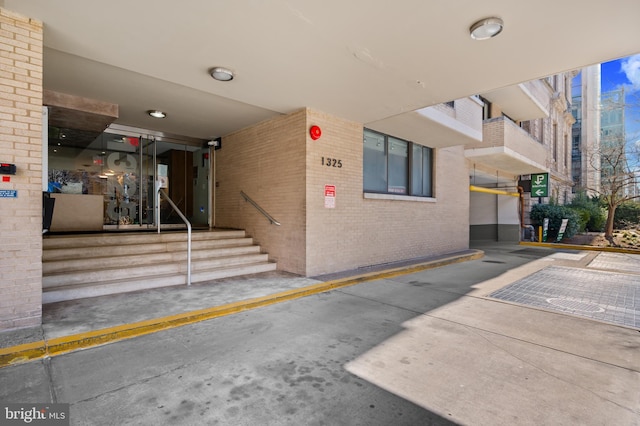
[(66, 344), (580, 247), (22, 353)]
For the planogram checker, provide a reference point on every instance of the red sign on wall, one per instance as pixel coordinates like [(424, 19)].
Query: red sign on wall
[(330, 196)]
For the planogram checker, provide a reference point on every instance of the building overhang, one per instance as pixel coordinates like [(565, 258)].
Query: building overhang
[(430, 127), (504, 159), (75, 112), (521, 102)]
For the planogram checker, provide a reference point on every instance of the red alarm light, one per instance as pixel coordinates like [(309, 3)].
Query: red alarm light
[(315, 132)]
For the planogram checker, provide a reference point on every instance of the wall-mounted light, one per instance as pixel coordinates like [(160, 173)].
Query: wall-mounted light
[(156, 113), (221, 74), (486, 28)]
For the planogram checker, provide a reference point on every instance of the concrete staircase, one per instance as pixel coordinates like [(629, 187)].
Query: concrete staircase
[(79, 266)]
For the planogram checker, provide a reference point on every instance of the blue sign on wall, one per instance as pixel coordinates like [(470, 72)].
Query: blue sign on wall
[(8, 193)]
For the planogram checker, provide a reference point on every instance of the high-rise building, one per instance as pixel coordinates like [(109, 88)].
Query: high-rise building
[(586, 131), (598, 136), (612, 115)]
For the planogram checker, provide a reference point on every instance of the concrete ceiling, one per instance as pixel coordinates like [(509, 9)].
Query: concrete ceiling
[(358, 59)]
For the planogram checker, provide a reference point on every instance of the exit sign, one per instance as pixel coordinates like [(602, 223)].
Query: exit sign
[(540, 185)]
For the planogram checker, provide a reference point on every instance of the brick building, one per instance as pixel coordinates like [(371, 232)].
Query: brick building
[(347, 142), (21, 143)]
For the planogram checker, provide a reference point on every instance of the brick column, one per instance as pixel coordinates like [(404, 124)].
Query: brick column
[(21, 144)]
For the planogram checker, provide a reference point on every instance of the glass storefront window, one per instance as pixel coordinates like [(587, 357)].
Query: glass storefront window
[(122, 169)]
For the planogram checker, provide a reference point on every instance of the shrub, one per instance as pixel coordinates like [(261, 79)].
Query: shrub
[(589, 208), (555, 215), (584, 216), (627, 215)]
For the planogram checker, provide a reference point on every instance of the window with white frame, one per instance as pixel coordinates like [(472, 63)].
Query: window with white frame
[(395, 166)]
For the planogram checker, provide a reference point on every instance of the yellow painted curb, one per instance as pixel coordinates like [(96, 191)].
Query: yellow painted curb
[(60, 345), (580, 247), (22, 353)]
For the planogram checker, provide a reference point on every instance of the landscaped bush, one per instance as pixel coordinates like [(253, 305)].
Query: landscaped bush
[(592, 216), (584, 215), (627, 215), (555, 215)]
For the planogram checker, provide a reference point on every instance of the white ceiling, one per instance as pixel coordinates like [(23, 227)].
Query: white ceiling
[(362, 60)]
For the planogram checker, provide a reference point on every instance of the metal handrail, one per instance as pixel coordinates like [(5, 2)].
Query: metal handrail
[(260, 209), (186, 221)]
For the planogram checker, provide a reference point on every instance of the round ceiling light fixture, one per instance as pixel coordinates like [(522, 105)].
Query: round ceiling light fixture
[(486, 28), (156, 113), (221, 74)]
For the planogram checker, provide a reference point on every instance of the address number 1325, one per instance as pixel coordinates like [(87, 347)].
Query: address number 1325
[(331, 162)]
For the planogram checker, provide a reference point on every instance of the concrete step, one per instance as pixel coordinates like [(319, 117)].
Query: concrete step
[(135, 271), (114, 249), (136, 238), (121, 261), (221, 262), (83, 290), (99, 264), (232, 271)]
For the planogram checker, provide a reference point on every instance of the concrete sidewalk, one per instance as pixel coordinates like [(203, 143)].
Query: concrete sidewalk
[(487, 341), (84, 323), (479, 358), (81, 324)]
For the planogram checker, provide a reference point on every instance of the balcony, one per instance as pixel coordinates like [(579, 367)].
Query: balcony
[(507, 148), (438, 126), (525, 101)]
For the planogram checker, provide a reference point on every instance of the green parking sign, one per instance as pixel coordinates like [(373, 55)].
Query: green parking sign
[(540, 185)]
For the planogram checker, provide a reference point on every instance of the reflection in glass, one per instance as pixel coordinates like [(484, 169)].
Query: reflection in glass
[(375, 162), (122, 169), (398, 166), (421, 171)]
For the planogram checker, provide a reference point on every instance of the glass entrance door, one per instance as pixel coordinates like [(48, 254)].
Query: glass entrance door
[(187, 174), (121, 168), (125, 174)]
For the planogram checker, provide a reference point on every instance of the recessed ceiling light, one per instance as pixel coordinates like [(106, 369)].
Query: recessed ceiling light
[(486, 28), (156, 114), (221, 74)]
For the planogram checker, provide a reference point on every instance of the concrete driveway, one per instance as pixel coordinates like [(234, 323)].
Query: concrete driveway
[(511, 338)]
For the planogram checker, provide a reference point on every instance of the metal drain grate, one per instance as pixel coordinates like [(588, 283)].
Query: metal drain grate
[(575, 305), (603, 296)]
